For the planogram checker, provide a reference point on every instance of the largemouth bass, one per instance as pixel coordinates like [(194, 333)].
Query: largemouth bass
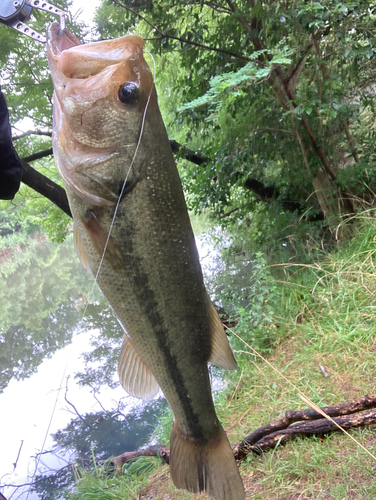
[(132, 231)]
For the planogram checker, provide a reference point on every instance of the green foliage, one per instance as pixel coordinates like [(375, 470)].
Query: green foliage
[(92, 439), (239, 279), (96, 482), (337, 289), (324, 315), (26, 83), (221, 76), (230, 85), (256, 321), (162, 431), (32, 212)]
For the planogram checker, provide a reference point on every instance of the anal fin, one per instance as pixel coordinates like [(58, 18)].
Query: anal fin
[(134, 374), (221, 354)]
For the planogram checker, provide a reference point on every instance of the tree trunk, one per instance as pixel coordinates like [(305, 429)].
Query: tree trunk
[(329, 204)]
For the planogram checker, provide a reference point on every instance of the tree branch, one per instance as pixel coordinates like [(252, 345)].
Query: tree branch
[(188, 154), (227, 214), (305, 423), (71, 404), (290, 417), (39, 155), (179, 39), (18, 455), (305, 429), (55, 193), (31, 132), (44, 186), (350, 140)]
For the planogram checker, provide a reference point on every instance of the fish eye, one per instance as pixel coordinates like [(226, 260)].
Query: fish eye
[(129, 93)]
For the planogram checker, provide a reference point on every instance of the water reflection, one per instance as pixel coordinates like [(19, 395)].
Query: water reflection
[(44, 294), (39, 300), (60, 396)]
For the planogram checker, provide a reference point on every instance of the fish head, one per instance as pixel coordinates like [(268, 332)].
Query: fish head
[(102, 91)]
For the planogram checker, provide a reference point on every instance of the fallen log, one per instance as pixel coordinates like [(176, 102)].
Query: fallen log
[(302, 429), (291, 417), (157, 450), (293, 424)]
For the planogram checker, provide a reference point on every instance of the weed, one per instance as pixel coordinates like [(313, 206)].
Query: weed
[(97, 482)]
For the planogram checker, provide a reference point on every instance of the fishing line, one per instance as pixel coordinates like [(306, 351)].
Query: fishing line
[(301, 394), (123, 187), (53, 412)]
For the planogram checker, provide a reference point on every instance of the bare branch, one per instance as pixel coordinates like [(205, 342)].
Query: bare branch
[(188, 154), (18, 455), (218, 8), (32, 132), (291, 417), (44, 186), (306, 423), (16, 485), (39, 155), (71, 404), (350, 140), (95, 397), (179, 39), (227, 214)]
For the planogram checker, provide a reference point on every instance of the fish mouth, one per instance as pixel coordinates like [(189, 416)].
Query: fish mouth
[(76, 60), (62, 64), (71, 64), (59, 40), (87, 78)]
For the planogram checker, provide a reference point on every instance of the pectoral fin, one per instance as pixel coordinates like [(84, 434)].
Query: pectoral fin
[(80, 249), (103, 243), (221, 353), (134, 374)]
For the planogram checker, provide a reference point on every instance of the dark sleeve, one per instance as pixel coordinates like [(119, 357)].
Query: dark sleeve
[(10, 165)]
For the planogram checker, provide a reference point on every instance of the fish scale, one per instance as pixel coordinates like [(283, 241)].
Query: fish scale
[(141, 248)]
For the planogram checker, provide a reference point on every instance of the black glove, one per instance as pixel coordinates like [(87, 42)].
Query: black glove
[(10, 165)]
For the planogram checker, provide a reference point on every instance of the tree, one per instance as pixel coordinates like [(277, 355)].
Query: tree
[(275, 95), (278, 89), (27, 86)]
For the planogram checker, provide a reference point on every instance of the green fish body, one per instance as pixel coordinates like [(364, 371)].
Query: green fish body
[(132, 231)]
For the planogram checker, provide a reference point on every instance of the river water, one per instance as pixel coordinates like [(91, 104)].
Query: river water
[(59, 345), (56, 332)]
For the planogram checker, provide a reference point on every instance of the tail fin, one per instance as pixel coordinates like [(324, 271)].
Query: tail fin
[(208, 467)]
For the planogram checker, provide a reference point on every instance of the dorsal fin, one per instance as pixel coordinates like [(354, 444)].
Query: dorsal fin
[(221, 353), (134, 374)]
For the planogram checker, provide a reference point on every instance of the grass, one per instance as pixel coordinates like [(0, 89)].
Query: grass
[(324, 317), (99, 482)]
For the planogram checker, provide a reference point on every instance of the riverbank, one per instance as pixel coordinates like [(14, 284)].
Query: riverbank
[(325, 344)]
